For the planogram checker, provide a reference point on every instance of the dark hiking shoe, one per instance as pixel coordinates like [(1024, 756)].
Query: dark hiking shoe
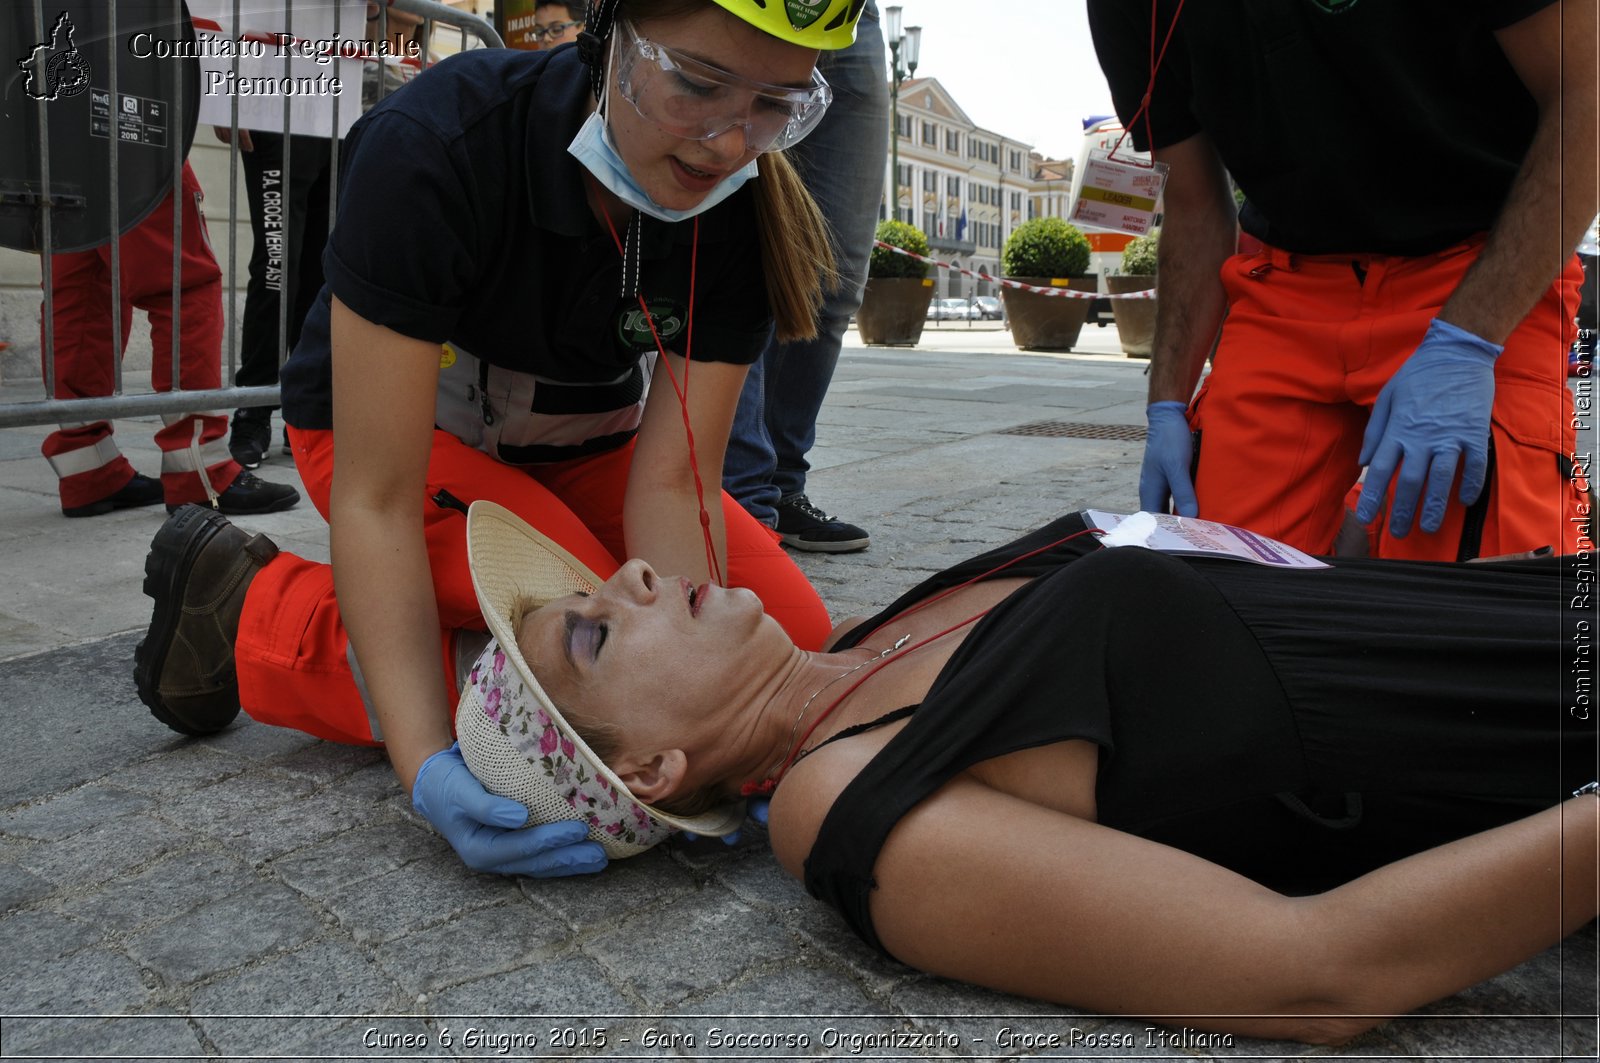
[(251, 437), (802, 526), (249, 495), (198, 570), (140, 491)]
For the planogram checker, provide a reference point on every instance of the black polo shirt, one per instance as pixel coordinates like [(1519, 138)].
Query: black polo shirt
[(1385, 126), (462, 219)]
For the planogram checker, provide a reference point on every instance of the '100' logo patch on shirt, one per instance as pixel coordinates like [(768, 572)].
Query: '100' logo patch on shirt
[(633, 327)]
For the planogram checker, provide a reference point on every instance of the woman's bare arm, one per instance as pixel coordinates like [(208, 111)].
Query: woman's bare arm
[(384, 388), (978, 885)]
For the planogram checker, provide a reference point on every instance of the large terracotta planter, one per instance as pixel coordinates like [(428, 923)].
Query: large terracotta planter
[(893, 310), (1136, 318), (1047, 322)]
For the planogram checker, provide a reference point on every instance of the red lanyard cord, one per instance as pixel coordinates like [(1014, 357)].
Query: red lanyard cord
[(1149, 89), (766, 786), (682, 391)]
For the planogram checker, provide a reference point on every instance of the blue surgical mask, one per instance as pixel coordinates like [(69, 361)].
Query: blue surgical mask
[(593, 147)]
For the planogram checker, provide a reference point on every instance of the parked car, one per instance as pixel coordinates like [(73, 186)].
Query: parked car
[(988, 307), (951, 310)]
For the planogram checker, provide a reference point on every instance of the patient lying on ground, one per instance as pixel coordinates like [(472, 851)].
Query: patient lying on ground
[(1110, 778)]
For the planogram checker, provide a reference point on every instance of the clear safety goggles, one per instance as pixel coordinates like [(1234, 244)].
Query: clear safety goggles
[(697, 101)]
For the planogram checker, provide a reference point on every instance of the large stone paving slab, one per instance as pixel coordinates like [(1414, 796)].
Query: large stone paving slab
[(264, 894)]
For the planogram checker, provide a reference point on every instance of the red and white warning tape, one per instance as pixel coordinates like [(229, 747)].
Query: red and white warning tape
[(1064, 293)]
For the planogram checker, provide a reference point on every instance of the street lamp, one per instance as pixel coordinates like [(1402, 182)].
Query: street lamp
[(910, 41)]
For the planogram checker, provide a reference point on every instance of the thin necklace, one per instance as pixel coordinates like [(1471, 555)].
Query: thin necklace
[(793, 730), (765, 786)]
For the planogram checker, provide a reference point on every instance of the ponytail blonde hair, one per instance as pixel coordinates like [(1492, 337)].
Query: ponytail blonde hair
[(796, 252)]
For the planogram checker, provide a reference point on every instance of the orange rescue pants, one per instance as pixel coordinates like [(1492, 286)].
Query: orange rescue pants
[(85, 455), (294, 661), (1308, 343)]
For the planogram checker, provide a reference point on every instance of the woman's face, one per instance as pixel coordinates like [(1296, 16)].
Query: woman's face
[(650, 654), (676, 172)]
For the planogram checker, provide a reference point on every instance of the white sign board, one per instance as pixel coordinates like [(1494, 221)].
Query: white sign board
[(306, 54)]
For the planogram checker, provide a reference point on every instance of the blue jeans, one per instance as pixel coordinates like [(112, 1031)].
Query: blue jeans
[(842, 164)]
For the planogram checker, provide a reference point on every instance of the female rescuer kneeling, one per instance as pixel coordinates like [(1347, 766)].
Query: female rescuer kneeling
[(548, 275)]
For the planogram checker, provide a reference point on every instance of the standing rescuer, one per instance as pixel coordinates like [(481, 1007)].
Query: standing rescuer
[(1420, 174), (548, 275)]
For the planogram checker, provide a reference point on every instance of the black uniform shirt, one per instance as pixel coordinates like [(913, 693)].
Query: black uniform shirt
[(1382, 126), (462, 219)]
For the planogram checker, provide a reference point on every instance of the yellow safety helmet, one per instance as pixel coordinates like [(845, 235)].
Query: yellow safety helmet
[(824, 24)]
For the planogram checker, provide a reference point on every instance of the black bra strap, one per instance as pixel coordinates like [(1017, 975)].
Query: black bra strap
[(886, 718)]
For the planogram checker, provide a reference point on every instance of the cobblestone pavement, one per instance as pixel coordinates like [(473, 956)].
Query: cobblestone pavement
[(265, 894)]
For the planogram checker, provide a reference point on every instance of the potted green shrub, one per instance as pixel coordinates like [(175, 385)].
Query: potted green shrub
[(1046, 253), (895, 301), (1136, 318)]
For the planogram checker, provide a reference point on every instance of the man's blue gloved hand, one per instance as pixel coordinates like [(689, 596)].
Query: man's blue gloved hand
[(1168, 450), (1431, 416), (758, 808), (482, 828)]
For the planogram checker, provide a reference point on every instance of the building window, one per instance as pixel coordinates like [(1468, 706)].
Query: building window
[(928, 224), (952, 141), (930, 181), (902, 176), (903, 125), (1016, 201), (952, 187), (1016, 162), (930, 134)]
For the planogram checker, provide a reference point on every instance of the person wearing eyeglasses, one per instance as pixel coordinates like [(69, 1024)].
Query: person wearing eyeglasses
[(598, 241), (556, 23)]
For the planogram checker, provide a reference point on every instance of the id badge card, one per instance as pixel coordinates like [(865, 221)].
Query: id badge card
[(1192, 537), (1119, 195)]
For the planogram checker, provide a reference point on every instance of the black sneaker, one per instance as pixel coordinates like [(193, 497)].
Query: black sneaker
[(803, 526), (140, 491), (249, 494), (251, 436)]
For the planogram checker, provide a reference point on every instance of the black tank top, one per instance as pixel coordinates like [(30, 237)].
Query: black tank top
[(1243, 713)]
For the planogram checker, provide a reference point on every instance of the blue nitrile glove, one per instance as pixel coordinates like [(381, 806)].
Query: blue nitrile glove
[(1430, 416), (481, 827), (1168, 450)]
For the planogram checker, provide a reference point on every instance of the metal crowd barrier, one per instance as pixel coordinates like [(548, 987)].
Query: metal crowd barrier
[(46, 199)]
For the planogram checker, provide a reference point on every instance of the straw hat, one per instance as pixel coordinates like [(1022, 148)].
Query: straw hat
[(512, 736)]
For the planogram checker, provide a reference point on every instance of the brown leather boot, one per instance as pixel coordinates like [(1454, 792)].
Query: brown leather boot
[(198, 570)]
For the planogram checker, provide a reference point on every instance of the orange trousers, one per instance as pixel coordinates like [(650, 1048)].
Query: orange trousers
[(294, 661), (85, 455), (1308, 343)]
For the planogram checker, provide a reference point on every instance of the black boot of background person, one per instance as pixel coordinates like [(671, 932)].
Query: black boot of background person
[(198, 570), (142, 490), (251, 436), (249, 495)]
